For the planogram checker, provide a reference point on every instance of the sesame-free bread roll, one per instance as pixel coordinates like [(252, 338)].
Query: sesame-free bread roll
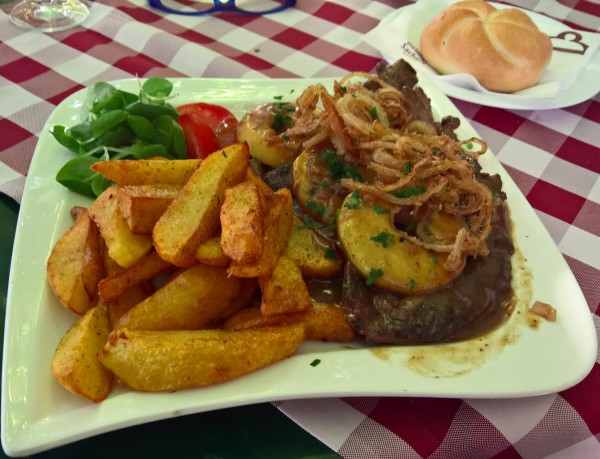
[(502, 48)]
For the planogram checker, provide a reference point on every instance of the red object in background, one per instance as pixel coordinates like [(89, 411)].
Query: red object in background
[(207, 128)]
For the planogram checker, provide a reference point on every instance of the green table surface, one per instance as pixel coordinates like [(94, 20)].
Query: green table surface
[(255, 431)]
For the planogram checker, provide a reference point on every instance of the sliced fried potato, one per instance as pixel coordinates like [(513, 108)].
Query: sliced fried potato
[(132, 297), (276, 229), (211, 253), (253, 177), (324, 321), (284, 290), (312, 254), (195, 298), (146, 268), (123, 246), (193, 217), (75, 265), (242, 215), (75, 364), (120, 296), (147, 171), (142, 205), (172, 360), (257, 124), (372, 244)]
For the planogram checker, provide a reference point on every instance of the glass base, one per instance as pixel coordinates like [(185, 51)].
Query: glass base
[(48, 15)]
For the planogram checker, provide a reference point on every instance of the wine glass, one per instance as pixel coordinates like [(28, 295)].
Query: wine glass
[(48, 15)]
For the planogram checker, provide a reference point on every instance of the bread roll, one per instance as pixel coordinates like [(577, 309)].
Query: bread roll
[(502, 48)]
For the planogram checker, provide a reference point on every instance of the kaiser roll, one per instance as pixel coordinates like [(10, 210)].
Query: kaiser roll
[(502, 48)]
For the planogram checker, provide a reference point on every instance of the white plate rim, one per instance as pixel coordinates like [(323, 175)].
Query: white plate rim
[(586, 88), (55, 417)]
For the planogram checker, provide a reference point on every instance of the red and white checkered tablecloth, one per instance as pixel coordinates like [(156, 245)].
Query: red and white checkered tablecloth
[(553, 156)]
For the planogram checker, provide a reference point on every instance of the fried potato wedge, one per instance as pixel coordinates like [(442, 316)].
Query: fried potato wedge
[(195, 298), (121, 296), (172, 360), (114, 286), (313, 255), (123, 246), (142, 205), (193, 217), (284, 290), (75, 265), (276, 229), (253, 177), (211, 253), (324, 321), (147, 171), (132, 297), (75, 364), (242, 215)]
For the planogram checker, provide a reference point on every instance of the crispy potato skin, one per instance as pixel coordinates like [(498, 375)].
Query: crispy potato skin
[(195, 298), (142, 205), (211, 253), (277, 226), (193, 217), (147, 171), (284, 290), (123, 246), (75, 265), (324, 321), (172, 360), (242, 216), (112, 287), (75, 363)]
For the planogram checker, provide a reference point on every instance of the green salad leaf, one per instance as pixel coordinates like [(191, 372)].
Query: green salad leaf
[(120, 125)]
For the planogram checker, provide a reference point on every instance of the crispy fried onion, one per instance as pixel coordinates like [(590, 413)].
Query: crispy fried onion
[(413, 165)]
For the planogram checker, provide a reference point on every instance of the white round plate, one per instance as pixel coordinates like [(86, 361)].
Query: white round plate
[(586, 87)]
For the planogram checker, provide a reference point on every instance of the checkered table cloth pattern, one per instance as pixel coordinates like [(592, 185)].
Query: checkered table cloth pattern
[(553, 156)]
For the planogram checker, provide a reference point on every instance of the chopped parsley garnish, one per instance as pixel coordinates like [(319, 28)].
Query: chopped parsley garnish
[(277, 97), (384, 238), (281, 122), (407, 168), (315, 362), (379, 210), (434, 259), (337, 168), (353, 201), (330, 254), (316, 207), (325, 184), (408, 192), (374, 274), (373, 114), (281, 119), (412, 284)]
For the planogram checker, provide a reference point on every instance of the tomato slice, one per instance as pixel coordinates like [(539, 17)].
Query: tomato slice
[(207, 128)]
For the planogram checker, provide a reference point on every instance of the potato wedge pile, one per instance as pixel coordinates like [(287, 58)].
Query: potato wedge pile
[(183, 274)]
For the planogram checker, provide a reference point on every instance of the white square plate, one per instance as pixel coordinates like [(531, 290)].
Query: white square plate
[(38, 414)]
